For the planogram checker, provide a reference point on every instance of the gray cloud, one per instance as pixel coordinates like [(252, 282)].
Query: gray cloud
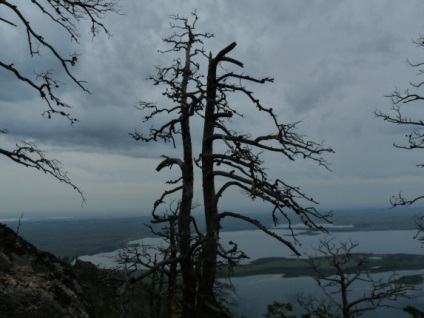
[(333, 62)]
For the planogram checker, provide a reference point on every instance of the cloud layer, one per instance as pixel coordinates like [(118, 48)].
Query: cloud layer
[(333, 62)]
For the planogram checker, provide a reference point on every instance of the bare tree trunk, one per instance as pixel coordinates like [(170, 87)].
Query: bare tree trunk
[(172, 279), (208, 270), (344, 291), (184, 220), (205, 296)]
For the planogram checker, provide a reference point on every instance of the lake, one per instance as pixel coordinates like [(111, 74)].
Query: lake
[(257, 245), (255, 292)]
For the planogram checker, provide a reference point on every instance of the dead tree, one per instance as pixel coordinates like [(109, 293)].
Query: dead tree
[(338, 270), (162, 285), (239, 165), (401, 102), (66, 17), (184, 91)]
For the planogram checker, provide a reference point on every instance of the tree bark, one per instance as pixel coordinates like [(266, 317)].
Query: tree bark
[(206, 299), (184, 220)]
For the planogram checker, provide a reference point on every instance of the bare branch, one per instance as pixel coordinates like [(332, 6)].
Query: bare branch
[(415, 138), (169, 162), (135, 278), (29, 155), (64, 15), (162, 197), (261, 227), (348, 268), (8, 22)]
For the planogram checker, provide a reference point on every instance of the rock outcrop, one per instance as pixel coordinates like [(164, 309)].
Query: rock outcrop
[(36, 284)]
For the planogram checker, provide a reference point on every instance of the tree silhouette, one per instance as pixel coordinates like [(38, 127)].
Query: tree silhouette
[(66, 16), (227, 159), (415, 137), (338, 271)]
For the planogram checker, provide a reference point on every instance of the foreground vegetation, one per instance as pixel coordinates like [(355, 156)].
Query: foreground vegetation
[(147, 298)]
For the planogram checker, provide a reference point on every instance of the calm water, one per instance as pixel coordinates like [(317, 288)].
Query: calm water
[(258, 245), (255, 292)]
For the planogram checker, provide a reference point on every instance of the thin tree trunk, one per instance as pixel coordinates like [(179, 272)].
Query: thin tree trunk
[(207, 280), (172, 279), (206, 298), (344, 291), (187, 267)]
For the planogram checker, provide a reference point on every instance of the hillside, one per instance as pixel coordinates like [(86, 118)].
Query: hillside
[(36, 284)]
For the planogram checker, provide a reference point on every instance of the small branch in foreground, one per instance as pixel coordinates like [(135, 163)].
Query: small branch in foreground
[(29, 155), (261, 227)]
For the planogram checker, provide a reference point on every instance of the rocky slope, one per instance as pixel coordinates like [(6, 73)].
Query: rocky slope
[(36, 284)]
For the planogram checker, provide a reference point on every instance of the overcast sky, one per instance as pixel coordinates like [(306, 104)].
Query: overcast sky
[(333, 61)]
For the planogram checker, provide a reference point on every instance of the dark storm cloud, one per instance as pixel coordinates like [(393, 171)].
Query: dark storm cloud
[(105, 131)]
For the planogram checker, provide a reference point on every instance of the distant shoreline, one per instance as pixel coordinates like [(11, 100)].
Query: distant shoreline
[(72, 235), (295, 267)]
